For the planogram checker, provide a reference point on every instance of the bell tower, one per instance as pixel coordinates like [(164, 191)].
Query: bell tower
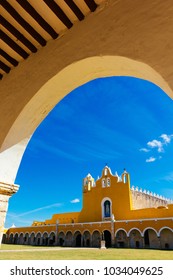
[(88, 183)]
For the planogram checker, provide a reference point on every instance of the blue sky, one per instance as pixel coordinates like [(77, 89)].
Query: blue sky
[(123, 122)]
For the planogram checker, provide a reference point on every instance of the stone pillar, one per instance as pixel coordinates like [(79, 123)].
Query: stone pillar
[(142, 242), (41, 241), (128, 242), (82, 240), (6, 191), (112, 233), (159, 242)]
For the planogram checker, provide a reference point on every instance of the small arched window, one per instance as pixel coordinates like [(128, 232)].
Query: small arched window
[(108, 182), (125, 178), (103, 183), (107, 209)]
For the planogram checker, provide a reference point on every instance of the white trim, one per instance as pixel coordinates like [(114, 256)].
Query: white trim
[(50, 225), (61, 232), (102, 206), (151, 229), (95, 230), (51, 233), (38, 233), (86, 231), (163, 229), (31, 234), (44, 233), (77, 231), (143, 220), (119, 230), (128, 234), (68, 232), (89, 223)]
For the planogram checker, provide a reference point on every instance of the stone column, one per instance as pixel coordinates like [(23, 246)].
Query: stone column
[(142, 242), (159, 242), (112, 232), (41, 240), (82, 240), (6, 191), (56, 233), (128, 242)]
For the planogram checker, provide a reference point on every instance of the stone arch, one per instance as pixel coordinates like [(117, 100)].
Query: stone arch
[(121, 239), (11, 240), (164, 228), (69, 239), (26, 238), (16, 238), (45, 238), (151, 229), (52, 238), (151, 238), (21, 238), (4, 238), (96, 238), (86, 238), (135, 238), (38, 238), (77, 238), (61, 238), (128, 234), (41, 103), (107, 238), (119, 230), (32, 238), (166, 238)]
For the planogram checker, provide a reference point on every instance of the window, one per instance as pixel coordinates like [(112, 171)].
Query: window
[(106, 172), (103, 183), (107, 209), (108, 182)]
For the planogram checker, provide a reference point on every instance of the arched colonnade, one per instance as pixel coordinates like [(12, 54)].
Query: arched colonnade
[(134, 238)]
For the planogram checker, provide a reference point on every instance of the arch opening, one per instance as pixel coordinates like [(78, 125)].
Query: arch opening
[(107, 238), (107, 205), (46, 98)]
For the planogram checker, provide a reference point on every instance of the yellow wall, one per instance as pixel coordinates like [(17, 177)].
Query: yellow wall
[(94, 194), (64, 218), (117, 192), (120, 195)]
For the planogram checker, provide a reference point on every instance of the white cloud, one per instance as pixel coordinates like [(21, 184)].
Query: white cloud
[(168, 177), (144, 150), (156, 144), (76, 200), (38, 209), (166, 138), (151, 159)]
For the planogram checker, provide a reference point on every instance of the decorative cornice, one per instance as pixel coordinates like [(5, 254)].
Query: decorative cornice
[(8, 189)]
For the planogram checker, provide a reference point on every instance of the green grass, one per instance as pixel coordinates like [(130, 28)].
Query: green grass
[(21, 247), (56, 253)]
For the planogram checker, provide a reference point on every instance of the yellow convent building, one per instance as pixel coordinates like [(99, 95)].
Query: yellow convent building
[(112, 213)]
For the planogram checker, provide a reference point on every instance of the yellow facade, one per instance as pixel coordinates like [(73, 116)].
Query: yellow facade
[(107, 215)]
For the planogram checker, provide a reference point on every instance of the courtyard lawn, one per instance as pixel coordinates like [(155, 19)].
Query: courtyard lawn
[(19, 252)]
